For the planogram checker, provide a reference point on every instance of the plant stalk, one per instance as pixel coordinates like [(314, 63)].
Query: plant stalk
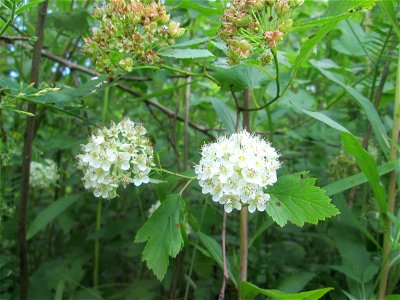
[(225, 268), (27, 154), (385, 267)]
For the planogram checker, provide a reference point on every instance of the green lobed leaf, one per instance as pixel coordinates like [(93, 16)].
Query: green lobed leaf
[(240, 77), (250, 291), (163, 235), (186, 53), (295, 198), (50, 213)]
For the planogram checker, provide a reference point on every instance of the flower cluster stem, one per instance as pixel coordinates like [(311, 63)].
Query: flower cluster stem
[(244, 212), (173, 173), (223, 244)]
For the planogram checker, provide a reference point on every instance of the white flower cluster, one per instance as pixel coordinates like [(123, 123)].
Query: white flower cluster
[(235, 171), (43, 174), (115, 156)]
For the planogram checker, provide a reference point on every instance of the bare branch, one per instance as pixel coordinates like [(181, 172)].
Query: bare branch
[(152, 102)]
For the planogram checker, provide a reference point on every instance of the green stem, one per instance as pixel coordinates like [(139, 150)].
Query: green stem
[(278, 84), (185, 186), (278, 87), (204, 74), (105, 104), (14, 6), (97, 244), (385, 267), (181, 71), (173, 173)]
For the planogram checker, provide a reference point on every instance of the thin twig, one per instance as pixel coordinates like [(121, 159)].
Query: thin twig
[(238, 109), (377, 100), (152, 102), (278, 88), (223, 246), (176, 275), (27, 154), (186, 128), (378, 63)]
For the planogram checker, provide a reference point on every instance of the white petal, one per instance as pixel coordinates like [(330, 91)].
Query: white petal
[(252, 208), (106, 166), (145, 179), (216, 198), (85, 158), (95, 163), (237, 205), (142, 167), (104, 194), (261, 206), (125, 165), (97, 193), (228, 208), (137, 182)]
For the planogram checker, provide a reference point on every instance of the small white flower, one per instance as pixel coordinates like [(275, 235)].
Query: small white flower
[(43, 174), (236, 170), (115, 156)]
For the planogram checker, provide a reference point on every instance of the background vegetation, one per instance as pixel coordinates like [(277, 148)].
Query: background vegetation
[(339, 62)]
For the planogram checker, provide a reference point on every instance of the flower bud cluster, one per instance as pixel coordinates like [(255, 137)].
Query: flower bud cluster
[(119, 155), (236, 170), (129, 33), (43, 174), (341, 166), (255, 27)]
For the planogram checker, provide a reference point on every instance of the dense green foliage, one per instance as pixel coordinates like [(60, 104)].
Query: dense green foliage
[(324, 96)]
